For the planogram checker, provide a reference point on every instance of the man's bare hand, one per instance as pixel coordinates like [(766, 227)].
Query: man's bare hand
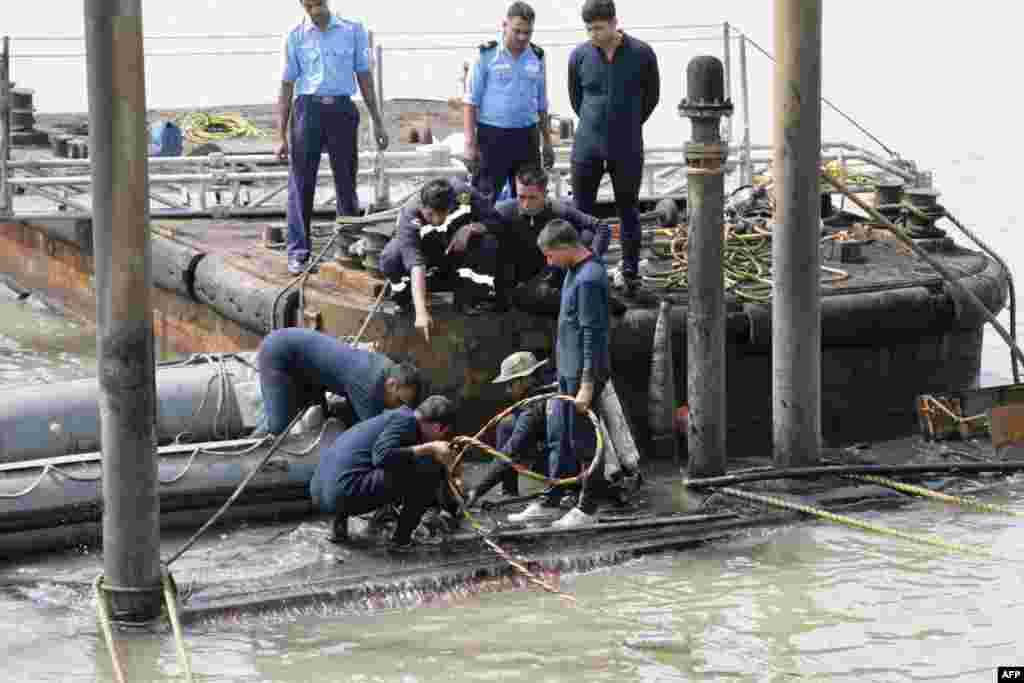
[(471, 156), (548, 155), (441, 451), (282, 150), (584, 397), (462, 237), (424, 322)]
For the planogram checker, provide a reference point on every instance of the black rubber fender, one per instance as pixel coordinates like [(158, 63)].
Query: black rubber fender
[(174, 266), (241, 297)]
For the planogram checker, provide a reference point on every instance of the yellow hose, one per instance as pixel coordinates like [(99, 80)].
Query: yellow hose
[(855, 523), (937, 495), (103, 612)]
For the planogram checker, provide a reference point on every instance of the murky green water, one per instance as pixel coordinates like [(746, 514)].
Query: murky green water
[(810, 602)]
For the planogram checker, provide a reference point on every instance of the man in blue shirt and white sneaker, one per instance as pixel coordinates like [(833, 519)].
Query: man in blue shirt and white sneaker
[(325, 57), (505, 112), (584, 365)]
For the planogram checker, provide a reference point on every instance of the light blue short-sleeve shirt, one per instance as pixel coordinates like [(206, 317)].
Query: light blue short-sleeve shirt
[(326, 62), (508, 91)]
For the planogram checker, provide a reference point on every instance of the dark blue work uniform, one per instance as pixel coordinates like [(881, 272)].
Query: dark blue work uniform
[(613, 99), (511, 97), (417, 243), (522, 258), (582, 354), (297, 366), (371, 465), (323, 66)]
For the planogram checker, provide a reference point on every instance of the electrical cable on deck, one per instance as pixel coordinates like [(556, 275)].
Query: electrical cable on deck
[(466, 441), (238, 491), (200, 127)]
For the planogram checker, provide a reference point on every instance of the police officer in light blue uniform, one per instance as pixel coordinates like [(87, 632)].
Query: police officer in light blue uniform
[(324, 58), (506, 106)]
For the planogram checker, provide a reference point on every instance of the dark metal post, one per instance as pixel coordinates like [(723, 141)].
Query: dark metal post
[(382, 196), (705, 104), (727, 70), (126, 363), (746, 168), (796, 257), (5, 129)]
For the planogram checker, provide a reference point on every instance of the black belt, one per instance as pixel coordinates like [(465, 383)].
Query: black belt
[(328, 99)]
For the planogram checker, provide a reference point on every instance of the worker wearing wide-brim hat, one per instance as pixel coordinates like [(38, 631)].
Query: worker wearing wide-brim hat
[(522, 434)]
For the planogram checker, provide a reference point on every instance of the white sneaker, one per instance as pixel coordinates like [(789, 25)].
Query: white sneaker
[(574, 518), (535, 510)]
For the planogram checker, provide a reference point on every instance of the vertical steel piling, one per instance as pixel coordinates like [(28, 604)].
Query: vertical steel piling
[(796, 257), (126, 363)]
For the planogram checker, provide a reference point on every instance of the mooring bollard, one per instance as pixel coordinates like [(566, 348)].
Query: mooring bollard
[(704, 105)]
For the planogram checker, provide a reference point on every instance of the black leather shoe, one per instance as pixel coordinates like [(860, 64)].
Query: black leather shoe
[(339, 530)]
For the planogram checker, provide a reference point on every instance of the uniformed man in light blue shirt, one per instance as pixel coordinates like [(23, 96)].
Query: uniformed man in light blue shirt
[(325, 56), (506, 106)]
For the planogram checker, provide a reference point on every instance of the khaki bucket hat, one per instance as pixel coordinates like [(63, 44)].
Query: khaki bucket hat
[(519, 364)]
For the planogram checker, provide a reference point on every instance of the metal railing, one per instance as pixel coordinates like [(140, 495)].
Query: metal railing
[(65, 182)]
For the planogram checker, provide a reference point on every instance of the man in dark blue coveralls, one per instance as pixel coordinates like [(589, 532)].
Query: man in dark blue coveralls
[(297, 366), (614, 87), (422, 249), (525, 216), (325, 56), (399, 457), (584, 365), (505, 108)]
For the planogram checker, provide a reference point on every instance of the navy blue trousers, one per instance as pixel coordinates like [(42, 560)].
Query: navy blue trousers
[(571, 437), (626, 175), (503, 152), (296, 367), (413, 485), (481, 256), (317, 124)]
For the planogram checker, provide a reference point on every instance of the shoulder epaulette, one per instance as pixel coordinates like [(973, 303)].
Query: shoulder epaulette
[(488, 45), (538, 50)]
